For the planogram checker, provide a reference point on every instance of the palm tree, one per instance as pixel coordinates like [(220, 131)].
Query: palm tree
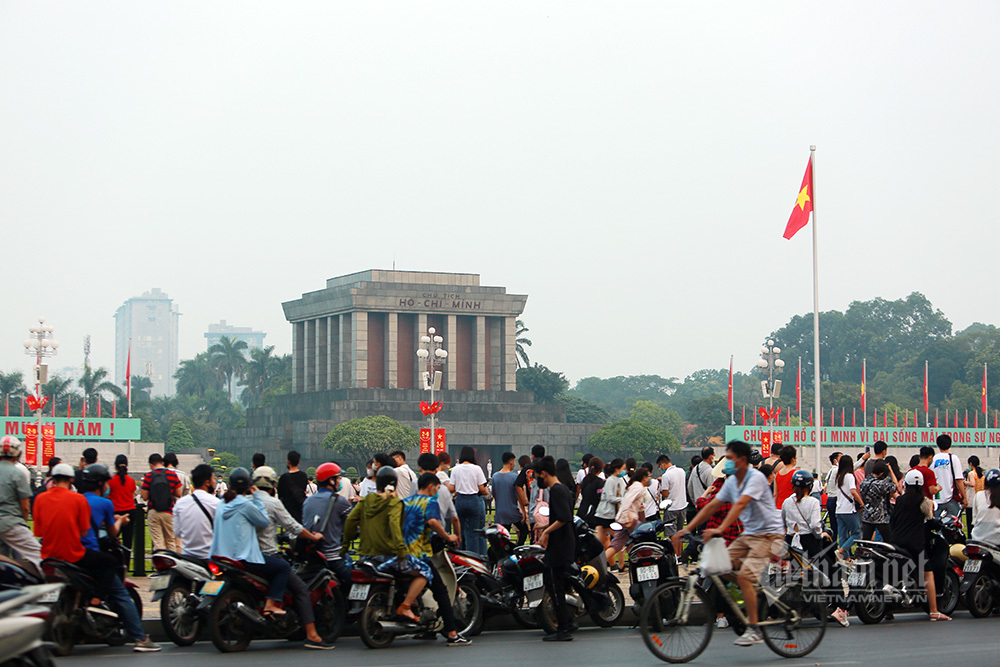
[(57, 389), (262, 368), (197, 376), (141, 388), (229, 358), (520, 342), (12, 386), (95, 383)]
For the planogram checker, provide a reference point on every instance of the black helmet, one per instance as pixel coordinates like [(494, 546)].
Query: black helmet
[(239, 480), (385, 479), (96, 474)]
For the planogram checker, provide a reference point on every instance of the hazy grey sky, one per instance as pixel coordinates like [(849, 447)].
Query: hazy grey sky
[(630, 166)]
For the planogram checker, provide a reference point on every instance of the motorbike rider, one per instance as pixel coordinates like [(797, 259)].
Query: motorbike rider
[(265, 480), (314, 512), (379, 519), (421, 517), (908, 534), (194, 514), (63, 518), (237, 518), (15, 504)]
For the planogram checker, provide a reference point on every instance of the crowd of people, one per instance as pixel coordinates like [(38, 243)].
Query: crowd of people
[(400, 517)]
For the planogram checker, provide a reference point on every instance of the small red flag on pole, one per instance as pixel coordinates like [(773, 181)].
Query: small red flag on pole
[(895, 419), (744, 415), (730, 384), (69, 407), (842, 413), (885, 418), (22, 407), (854, 417), (114, 408), (99, 407), (810, 416), (788, 418), (966, 418), (935, 418)]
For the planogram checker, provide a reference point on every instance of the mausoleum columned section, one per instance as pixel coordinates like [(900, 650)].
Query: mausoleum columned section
[(362, 331)]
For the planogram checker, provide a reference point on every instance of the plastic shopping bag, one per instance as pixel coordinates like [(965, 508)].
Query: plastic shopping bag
[(715, 557)]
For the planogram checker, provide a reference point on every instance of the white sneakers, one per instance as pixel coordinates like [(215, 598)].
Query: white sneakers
[(840, 615), (722, 622), (750, 637)]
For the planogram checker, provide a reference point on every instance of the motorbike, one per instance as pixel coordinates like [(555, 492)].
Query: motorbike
[(651, 561), (980, 588), (885, 578), (375, 595), (590, 589), (22, 626), (15, 575), (175, 586), (79, 613), (234, 600)]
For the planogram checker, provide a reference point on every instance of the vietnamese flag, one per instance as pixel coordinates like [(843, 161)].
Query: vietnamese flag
[(926, 404), (744, 415), (803, 204)]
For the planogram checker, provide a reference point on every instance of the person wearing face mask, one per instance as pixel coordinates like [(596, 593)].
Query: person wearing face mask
[(611, 498), (368, 483), (763, 529), (105, 525), (630, 510)]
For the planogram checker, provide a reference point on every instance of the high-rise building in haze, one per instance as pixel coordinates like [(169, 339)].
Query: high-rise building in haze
[(150, 322), (253, 339)]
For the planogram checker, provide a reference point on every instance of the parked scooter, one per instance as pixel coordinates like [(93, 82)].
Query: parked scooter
[(590, 589), (175, 586), (885, 578), (22, 626), (981, 578), (235, 601), (651, 560), (375, 596)]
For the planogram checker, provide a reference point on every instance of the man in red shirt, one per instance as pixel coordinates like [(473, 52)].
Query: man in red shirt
[(930, 479), (62, 518), (160, 488)]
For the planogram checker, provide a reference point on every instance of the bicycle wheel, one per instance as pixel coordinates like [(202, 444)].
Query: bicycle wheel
[(804, 622), (676, 626)]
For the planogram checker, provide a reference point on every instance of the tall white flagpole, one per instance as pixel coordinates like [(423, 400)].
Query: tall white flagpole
[(817, 382)]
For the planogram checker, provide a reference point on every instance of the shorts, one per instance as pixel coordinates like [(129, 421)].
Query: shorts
[(406, 566), (750, 554), (596, 521), (620, 539)]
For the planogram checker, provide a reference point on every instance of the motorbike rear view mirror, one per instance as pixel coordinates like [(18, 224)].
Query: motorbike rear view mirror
[(616, 526), (544, 511)]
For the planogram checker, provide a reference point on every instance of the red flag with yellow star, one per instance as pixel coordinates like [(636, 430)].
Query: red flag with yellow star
[(803, 204)]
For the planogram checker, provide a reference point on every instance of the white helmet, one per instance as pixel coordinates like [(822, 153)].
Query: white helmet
[(913, 478), (10, 447)]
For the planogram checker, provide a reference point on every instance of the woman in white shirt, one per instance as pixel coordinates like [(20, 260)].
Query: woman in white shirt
[(849, 505), (468, 483), (801, 513), (630, 511)]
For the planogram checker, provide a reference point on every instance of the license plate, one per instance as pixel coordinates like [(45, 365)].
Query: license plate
[(159, 582), (856, 578), (647, 573), (212, 587), (49, 598), (972, 565), (533, 582), (359, 592)]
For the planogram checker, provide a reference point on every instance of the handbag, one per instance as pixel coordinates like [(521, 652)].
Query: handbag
[(541, 520)]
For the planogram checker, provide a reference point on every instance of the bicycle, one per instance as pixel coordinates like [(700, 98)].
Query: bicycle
[(677, 619)]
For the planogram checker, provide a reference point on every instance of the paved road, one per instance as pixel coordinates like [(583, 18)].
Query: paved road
[(906, 642)]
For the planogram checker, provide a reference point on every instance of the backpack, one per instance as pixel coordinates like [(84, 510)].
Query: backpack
[(541, 520), (160, 494)]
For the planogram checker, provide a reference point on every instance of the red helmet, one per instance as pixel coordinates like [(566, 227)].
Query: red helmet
[(327, 471)]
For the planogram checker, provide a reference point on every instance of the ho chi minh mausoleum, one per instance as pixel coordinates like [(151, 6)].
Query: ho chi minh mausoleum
[(354, 354)]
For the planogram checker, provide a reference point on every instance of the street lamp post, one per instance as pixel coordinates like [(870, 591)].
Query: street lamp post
[(433, 354), (770, 364), (40, 345)]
